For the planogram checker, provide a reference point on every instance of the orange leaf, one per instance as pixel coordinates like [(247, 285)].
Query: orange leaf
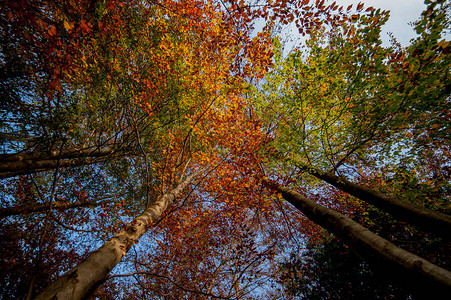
[(52, 30), (68, 25), (85, 26)]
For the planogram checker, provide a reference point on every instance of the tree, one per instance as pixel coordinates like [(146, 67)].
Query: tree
[(340, 106), (427, 219), (331, 270), (83, 278), (135, 72), (371, 246), (26, 163), (177, 100)]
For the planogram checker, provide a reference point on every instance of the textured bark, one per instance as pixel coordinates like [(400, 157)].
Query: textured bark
[(43, 207), (55, 154), (28, 163), (79, 282), (422, 217), (369, 245), (31, 167)]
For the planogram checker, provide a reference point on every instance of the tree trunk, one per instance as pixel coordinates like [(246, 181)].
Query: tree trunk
[(83, 279), (28, 163), (43, 207), (55, 154), (369, 245), (426, 219)]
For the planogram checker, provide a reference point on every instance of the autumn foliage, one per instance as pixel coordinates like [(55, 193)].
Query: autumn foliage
[(110, 107)]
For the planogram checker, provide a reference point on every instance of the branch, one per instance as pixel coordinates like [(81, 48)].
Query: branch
[(170, 280)]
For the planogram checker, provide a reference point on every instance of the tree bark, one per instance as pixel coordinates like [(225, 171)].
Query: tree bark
[(55, 154), (426, 219), (83, 279), (28, 163), (369, 245), (43, 207)]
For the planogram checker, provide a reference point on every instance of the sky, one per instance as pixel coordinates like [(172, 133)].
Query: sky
[(402, 12)]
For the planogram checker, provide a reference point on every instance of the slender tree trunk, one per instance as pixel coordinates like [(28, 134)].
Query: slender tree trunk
[(43, 207), (28, 163), (55, 154), (83, 279), (369, 245), (31, 167), (426, 219)]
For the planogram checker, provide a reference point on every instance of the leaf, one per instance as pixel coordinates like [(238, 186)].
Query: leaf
[(52, 30), (85, 26), (68, 25), (443, 44)]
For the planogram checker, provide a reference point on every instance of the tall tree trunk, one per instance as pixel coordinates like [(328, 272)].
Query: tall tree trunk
[(368, 244), (422, 217), (28, 163), (55, 154), (43, 207), (79, 282)]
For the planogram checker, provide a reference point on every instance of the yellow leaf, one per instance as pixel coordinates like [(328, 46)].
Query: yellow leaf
[(443, 43), (67, 26)]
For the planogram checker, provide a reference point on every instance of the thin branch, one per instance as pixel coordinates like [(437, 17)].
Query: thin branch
[(170, 280)]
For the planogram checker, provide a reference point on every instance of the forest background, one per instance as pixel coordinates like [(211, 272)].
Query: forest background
[(170, 150)]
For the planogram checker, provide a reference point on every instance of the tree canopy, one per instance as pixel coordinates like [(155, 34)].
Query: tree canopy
[(173, 149)]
